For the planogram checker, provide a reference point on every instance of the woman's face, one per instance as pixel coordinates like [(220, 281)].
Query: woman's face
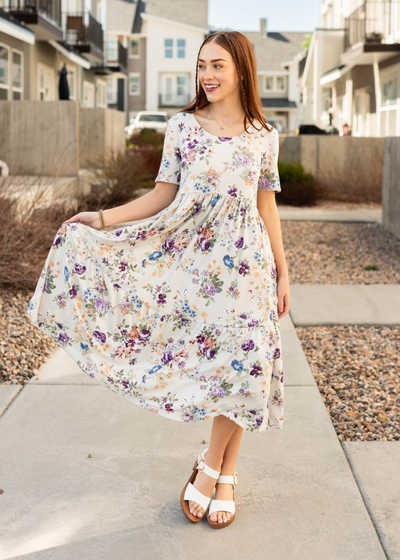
[(216, 66)]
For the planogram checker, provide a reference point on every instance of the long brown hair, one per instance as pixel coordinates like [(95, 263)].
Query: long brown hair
[(241, 50)]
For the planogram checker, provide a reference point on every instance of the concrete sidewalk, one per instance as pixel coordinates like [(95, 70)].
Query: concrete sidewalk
[(296, 498), (326, 215)]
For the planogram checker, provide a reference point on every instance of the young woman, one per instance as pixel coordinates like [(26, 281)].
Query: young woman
[(180, 311)]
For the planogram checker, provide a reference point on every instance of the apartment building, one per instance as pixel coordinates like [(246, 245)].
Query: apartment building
[(279, 56), (352, 70), (38, 38), (162, 39)]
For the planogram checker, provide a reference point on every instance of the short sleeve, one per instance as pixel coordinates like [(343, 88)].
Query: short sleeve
[(269, 175), (170, 167)]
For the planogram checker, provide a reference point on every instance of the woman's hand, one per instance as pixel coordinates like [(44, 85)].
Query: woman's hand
[(283, 296), (87, 218)]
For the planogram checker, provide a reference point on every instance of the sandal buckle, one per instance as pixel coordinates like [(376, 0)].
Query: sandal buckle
[(203, 465), (235, 479)]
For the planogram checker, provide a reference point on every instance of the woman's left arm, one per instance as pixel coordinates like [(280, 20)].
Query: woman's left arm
[(268, 211)]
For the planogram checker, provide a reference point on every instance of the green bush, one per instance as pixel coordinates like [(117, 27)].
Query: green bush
[(299, 187)]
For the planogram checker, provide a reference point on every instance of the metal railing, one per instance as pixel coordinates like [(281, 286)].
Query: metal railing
[(83, 29), (116, 54), (372, 22), (49, 8)]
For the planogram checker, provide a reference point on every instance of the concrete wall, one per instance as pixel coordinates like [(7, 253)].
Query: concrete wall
[(346, 168), (391, 186), (40, 138), (101, 135)]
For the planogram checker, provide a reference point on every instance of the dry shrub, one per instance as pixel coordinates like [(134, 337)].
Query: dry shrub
[(27, 232)]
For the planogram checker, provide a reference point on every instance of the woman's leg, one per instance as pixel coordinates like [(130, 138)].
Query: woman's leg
[(222, 430), (225, 491)]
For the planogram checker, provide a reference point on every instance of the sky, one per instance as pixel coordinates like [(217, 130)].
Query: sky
[(281, 15)]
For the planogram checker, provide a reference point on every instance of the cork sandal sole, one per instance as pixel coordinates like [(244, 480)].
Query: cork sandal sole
[(185, 503)]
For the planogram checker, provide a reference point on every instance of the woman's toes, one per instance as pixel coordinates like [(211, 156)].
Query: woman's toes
[(220, 520), (213, 517)]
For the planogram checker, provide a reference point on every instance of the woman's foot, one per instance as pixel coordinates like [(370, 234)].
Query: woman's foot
[(205, 484), (222, 492)]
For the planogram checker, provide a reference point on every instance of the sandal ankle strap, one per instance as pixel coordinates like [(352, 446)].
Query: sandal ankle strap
[(202, 467), (228, 479)]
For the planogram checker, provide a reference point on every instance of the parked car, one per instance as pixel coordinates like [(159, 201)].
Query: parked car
[(278, 125), (310, 129), (156, 120)]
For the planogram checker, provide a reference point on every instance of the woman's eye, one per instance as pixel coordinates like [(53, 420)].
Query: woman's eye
[(215, 65)]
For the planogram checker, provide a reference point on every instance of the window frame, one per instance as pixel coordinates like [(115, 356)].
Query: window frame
[(7, 86), (131, 40), (13, 88), (136, 75)]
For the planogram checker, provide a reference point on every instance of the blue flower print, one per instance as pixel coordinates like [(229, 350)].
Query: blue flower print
[(155, 255), (228, 261), (238, 366)]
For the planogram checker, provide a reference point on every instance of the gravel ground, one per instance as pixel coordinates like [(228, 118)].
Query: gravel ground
[(23, 347), (340, 253), (357, 370)]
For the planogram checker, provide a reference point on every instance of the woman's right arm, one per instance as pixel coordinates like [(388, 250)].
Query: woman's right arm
[(143, 207)]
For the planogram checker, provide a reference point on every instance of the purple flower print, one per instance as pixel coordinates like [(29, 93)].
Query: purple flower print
[(224, 138), (144, 335), (263, 183), (204, 244), (80, 268), (100, 306), (218, 391), (247, 346), (259, 420), (162, 299), (101, 337), (277, 354), (169, 407), (167, 357), (239, 243), (123, 265), (72, 291), (233, 192), (57, 241), (256, 370), (209, 288), (168, 244), (209, 353), (242, 160), (244, 268), (63, 337)]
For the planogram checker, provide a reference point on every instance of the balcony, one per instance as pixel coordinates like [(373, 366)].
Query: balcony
[(85, 33), (117, 57), (43, 17), (173, 100), (375, 23)]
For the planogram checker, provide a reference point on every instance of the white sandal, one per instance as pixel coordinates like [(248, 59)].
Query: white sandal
[(191, 493), (223, 505)]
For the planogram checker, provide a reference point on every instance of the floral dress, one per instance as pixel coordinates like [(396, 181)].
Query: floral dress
[(178, 312)]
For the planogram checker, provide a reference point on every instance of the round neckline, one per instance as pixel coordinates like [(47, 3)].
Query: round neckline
[(214, 135)]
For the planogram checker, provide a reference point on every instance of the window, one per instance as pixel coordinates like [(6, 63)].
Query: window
[(4, 72), (181, 48), (71, 84), (181, 85), (280, 82), (88, 94), (17, 75), (112, 49), (134, 83), (112, 91), (101, 93), (134, 49), (168, 48), (389, 88), (269, 83), (42, 90)]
